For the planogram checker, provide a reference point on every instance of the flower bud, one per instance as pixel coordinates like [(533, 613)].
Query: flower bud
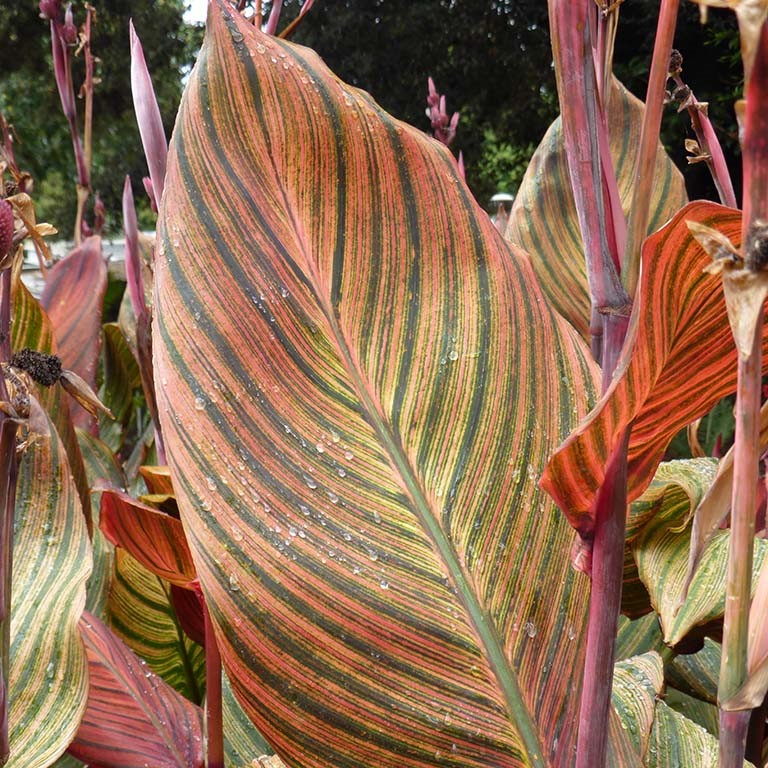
[(50, 10), (69, 30)]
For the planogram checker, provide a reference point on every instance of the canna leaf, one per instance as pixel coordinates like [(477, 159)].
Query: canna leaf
[(661, 552), (30, 327), (133, 719), (158, 479), (677, 741), (678, 341), (701, 712), (101, 468), (73, 297), (352, 359), (242, 742), (543, 220), (696, 673), (637, 682), (638, 636), (155, 539), (121, 381), (142, 615), (51, 562)]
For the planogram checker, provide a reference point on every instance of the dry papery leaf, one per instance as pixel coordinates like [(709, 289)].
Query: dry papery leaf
[(745, 289)]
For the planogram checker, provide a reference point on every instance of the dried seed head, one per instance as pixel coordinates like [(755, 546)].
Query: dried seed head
[(42, 368), (756, 248), (675, 63)]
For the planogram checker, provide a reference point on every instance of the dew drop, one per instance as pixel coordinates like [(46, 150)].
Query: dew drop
[(333, 497), (384, 584), (311, 484), (211, 483), (260, 48), (453, 355), (530, 629), (341, 472), (376, 517), (373, 554), (237, 534), (199, 404), (335, 436), (305, 510), (234, 583), (348, 455), (320, 448)]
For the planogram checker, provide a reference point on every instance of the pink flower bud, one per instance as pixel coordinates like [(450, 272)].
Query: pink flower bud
[(50, 10), (69, 30)]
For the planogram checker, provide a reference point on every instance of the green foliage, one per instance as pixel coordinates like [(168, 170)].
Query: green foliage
[(30, 102), (502, 165)]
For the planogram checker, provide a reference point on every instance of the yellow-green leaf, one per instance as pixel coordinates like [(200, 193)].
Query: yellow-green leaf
[(51, 562), (543, 220)]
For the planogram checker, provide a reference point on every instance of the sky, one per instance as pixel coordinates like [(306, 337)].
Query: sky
[(196, 10)]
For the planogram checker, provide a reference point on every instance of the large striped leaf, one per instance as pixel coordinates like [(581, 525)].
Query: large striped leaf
[(133, 719), (73, 297), (353, 366), (543, 220), (51, 562), (678, 361)]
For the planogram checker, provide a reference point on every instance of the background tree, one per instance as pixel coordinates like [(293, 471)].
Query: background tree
[(29, 99), (491, 57)]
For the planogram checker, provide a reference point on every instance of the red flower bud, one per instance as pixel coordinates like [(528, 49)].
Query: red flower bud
[(6, 228), (69, 30), (50, 9)]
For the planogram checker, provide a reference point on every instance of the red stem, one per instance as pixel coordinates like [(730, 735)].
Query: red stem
[(649, 141), (213, 707), (604, 608)]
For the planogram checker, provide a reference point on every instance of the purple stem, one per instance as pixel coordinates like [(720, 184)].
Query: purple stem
[(274, 17)]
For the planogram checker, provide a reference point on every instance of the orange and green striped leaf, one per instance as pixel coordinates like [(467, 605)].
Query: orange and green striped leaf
[(155, 539), (142, 615), (30, 327), (51, 562), (678, 361), (133, 718), (352, 363), (543, 220), (73, 298)]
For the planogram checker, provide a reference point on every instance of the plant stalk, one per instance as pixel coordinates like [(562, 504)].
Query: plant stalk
[(639, 211), (214, 722), (733, 671), (604, 608)]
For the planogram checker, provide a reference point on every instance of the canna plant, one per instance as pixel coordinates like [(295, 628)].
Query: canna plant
[(372, 406)]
